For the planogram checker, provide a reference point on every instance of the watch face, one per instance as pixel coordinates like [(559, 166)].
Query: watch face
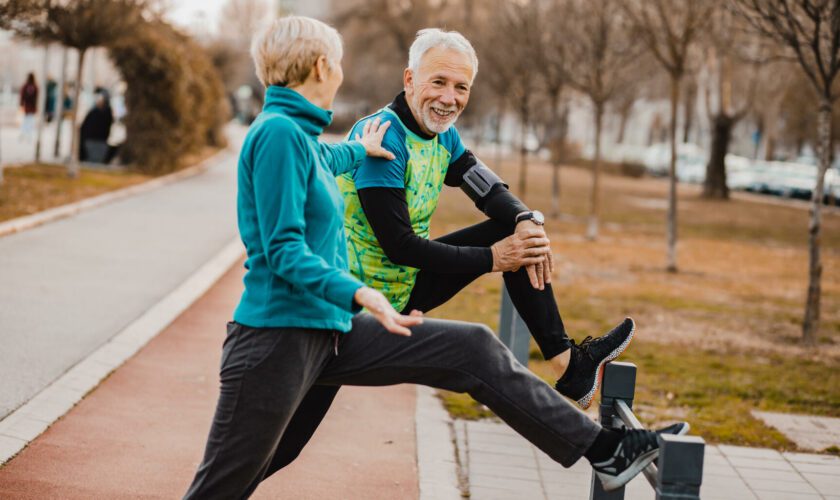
[(539, 218)]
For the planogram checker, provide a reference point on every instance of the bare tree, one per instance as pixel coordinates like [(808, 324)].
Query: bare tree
[(508, 44), (240, 19), (729, 90), (810, 30), (668, 28), (81, 24), (600, 51), (552, 61)]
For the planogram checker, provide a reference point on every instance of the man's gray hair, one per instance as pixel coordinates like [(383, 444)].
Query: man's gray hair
[(430, 38)]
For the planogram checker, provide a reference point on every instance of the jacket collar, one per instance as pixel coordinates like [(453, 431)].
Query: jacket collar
[(308, 116)]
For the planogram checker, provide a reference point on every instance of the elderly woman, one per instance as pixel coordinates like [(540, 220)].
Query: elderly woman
[(298, 333)]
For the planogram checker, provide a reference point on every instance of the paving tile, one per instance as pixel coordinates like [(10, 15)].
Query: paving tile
[(786, 495), (726, 491), (779, 475), (26, 429), (758, 463), (527, 473), (571, 489), (780, 486), (521, 451), (491, 427), (479, 493), (811, 458), (824, 483), (829, 469), (501, 459), (9, 446), (719, 470), (743, 451), (522, 486), (716, 460), (496, 439)]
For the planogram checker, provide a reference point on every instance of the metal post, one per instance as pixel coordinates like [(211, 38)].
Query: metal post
[(619, 383), (680, 467), (512, 330)]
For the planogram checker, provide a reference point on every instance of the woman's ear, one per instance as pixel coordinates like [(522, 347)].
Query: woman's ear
[(321, 68)]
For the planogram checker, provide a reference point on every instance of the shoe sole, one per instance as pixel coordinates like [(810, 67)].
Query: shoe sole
[(586, 401), (610, 483)]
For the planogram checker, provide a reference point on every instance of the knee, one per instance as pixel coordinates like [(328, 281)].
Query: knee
[(482, 343)]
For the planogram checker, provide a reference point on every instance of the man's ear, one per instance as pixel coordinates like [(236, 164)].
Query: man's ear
[(408, 80)]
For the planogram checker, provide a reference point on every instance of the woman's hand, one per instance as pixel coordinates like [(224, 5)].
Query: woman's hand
[(371, 139), (382, 310)]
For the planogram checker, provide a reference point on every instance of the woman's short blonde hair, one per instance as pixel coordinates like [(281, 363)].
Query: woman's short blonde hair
[(286, 50)]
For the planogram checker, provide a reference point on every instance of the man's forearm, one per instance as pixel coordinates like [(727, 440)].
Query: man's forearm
[(387, 213)]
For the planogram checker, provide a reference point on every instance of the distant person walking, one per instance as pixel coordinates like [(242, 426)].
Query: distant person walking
[(29, 105), (96, 128)]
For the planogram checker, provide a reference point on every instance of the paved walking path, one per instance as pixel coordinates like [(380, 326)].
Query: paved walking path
[(501, 465), (141, 433), (69, 286)]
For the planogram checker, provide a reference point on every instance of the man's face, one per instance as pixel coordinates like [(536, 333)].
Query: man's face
[(438, 92)]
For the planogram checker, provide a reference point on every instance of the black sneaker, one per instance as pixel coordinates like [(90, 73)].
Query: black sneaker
[(586, 365), (678, 429), (636, 450)]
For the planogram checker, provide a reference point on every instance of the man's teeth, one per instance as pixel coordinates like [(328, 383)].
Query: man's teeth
[(442, 112)]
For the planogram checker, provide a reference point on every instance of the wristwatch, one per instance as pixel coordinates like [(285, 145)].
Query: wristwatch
[(534, 216)]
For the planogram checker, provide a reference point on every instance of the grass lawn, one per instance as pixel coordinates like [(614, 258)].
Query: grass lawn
[(714, 341), (32, 188)]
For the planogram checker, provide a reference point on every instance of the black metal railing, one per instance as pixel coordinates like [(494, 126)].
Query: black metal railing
[(678, 472)]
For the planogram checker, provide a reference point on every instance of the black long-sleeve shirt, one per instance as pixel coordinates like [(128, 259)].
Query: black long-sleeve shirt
[(387, 212)]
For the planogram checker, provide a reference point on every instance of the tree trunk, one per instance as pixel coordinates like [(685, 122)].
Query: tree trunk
[(59, 103), (74, 143), (498, 152), (690, 97), (523, 154), (811, 322), (715, 184), (43, 108), (671, 265), (555, 189), (770, 146), (594, 206), (622, 124)]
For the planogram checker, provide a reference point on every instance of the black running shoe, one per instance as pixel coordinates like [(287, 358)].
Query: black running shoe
[(586, 365), (636, 450), (678, 429)]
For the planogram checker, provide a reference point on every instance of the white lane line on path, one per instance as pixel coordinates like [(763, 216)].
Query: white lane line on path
[(26, 423), (437, 469), (61, 212)]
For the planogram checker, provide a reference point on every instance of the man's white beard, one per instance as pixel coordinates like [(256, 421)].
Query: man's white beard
[(435, 126)]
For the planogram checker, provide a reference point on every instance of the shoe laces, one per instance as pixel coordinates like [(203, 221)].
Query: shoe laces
[(638, 440), (584, 346)]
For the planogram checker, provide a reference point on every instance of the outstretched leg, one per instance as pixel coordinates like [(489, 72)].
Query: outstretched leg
[(464, 357), (265, 374)]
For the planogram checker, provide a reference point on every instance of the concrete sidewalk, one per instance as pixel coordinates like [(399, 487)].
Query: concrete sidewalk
[(141, 433), (499, 465)]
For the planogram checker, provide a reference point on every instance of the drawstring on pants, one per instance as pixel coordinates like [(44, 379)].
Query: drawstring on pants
[(335, 342)]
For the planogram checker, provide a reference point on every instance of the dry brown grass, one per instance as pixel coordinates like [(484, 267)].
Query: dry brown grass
[(717, 339), (743, 265), (29, 189)]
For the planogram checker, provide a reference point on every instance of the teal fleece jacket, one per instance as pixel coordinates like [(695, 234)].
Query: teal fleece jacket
[(290, 215)]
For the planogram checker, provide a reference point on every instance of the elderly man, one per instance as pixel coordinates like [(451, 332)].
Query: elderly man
[(389, 204)]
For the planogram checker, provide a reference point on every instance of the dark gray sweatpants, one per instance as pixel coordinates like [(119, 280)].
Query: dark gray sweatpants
[(272, 380)]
